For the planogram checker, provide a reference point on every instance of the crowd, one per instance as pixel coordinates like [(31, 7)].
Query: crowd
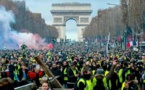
[(77, 66)]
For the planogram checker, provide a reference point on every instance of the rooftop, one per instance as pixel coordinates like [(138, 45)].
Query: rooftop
[(71, 3)]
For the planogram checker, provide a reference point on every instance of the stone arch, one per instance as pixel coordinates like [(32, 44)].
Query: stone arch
[(80, 12), (71, 17)]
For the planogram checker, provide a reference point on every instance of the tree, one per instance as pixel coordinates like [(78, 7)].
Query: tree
[(27, 21), (107, 20)]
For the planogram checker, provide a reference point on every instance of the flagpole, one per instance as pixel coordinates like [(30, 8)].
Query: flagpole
[(107, 44)]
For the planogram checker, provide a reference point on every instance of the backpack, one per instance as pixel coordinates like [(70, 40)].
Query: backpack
[(75, 86)]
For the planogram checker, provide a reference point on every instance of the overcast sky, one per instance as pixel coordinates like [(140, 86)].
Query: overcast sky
[(44, 7)]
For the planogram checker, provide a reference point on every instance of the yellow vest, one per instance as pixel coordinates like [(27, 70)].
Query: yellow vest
[(120, 75), (2, 69), (107, 84), (144, 81), (93, 72), (81, 80), (89, 85), (106, 72), (143, 78), (74, 71), (19, 67), (128, 72), (65, 72), (16, 72), (95, 82), (123, 86)]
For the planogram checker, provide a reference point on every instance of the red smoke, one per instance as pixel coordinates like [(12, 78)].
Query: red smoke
[(39, 43), (33, 41)]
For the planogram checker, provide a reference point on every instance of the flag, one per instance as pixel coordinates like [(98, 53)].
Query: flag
[(129, 44), (134, 43), (107, 46)]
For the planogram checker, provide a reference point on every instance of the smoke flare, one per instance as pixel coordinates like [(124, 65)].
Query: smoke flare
[(12, 39)]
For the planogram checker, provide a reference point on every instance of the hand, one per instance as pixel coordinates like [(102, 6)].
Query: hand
[(126, 85), (114, 62), (77, 75), (135, 82), (22, 79)]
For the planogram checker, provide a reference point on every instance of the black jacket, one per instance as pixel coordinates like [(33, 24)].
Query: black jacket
[(56, 71), (71, 76), (113, 77)]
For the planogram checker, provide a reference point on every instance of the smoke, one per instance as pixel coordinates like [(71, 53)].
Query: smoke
[(12, 39)]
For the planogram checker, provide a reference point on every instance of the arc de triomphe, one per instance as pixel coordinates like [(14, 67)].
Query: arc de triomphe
[(62, 12)]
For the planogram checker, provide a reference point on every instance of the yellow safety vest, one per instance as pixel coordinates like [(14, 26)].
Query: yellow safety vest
[(2, 69), (128, 72), (123, 86), (99, 63), (93, 72), (108, 84), (144, 81), (95, 82), (65, 72), (82, 69), (16, 72), (120, 75), (117, 55), (74, 71), (144, 78), (106, 72), (111, 56), (89, 85), (19, 67), (91, 60), (81, 80), (124, 57), (117, 79)]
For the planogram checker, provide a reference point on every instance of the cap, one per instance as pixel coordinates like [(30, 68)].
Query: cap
[(100, 71)]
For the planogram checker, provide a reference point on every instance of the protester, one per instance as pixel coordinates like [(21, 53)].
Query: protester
[(45, 86), (75, 67)]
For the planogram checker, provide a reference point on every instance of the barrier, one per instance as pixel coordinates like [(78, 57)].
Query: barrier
[(24, 87)]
